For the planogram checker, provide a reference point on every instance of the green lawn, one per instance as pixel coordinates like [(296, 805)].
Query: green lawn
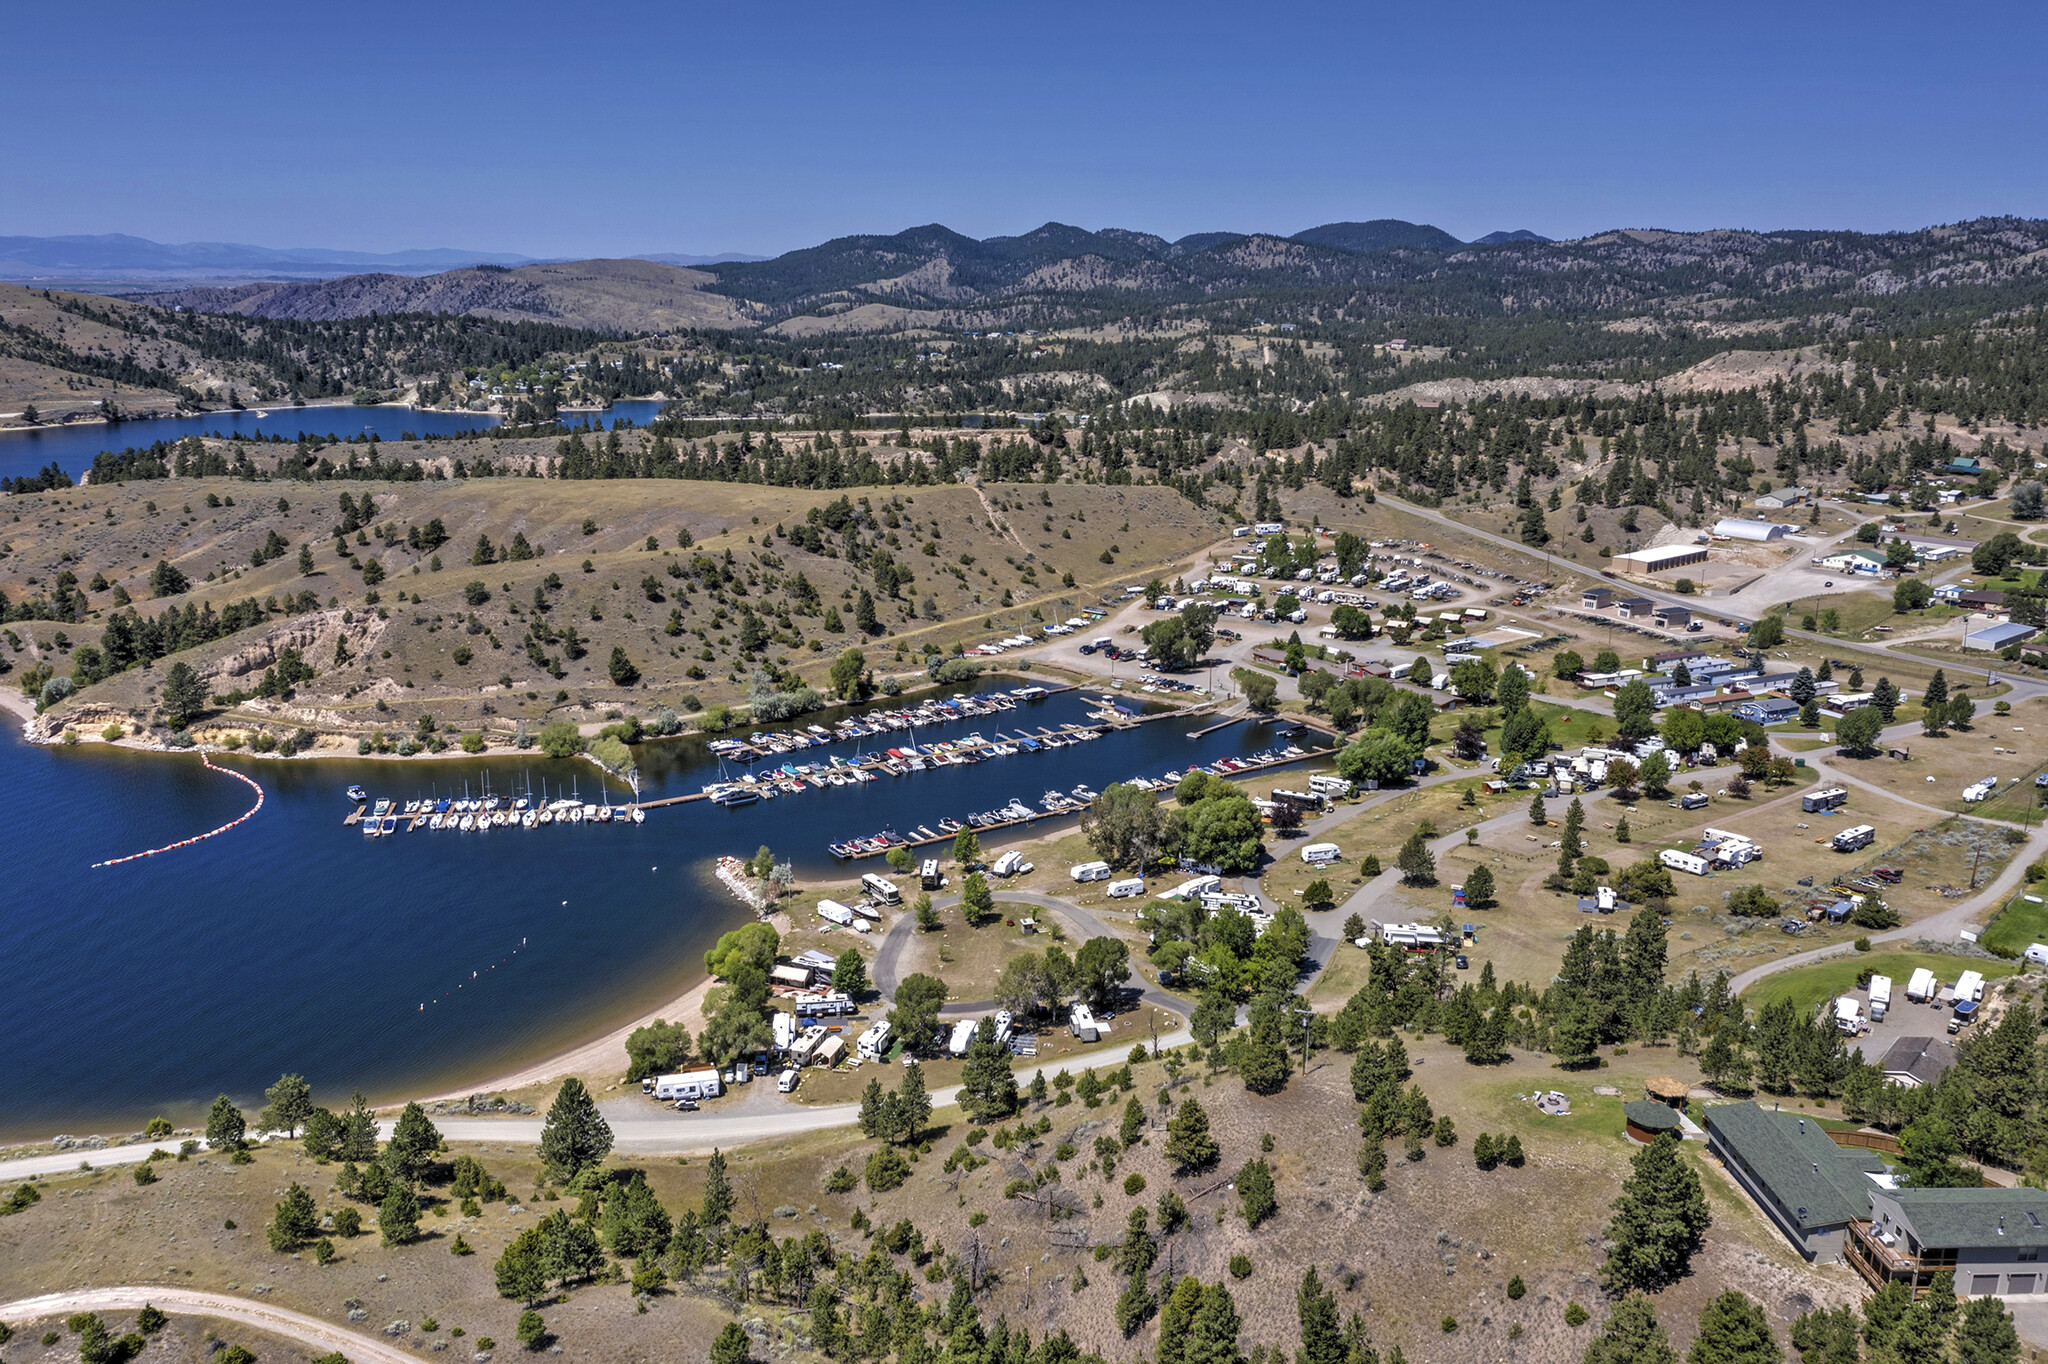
[(1807, 986), (2020, 924)]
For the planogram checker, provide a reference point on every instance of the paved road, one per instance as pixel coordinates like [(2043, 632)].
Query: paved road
[(318, 1336)]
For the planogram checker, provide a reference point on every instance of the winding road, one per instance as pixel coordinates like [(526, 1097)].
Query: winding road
[(317, 1335)]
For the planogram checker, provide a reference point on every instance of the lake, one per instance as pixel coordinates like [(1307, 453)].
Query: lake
[(73, 447), (293, 943)]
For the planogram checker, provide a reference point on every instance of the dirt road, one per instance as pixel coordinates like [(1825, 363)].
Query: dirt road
[(319, 1336)]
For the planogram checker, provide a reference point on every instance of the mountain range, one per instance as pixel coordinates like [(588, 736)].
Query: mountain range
[(1059, 274), (116, 256)]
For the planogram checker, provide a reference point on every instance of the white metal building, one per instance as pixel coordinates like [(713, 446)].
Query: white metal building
[(1660, 558), (1741, 528)]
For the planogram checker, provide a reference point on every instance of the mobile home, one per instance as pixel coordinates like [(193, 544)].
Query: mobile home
[(1853, 840)]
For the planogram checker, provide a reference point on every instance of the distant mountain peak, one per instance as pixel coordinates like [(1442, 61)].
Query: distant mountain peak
[(1520, 234), (1381, 234)]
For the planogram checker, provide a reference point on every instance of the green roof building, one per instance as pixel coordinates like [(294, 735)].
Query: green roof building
[(1810, 1187), (1990, 1239)]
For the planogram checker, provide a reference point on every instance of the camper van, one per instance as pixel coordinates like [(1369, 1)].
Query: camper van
[(690, 1084), (786, 1082), (1683, 861), (1123, 890), (1091, 871), (963, 1035), (880, 889), (1854, 840), (928, 877), (1082, 1024), (874, 1043), (1321, 854)]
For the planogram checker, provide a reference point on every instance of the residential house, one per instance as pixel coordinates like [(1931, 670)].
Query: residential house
[(1990, 1239), (1809, 1187), (1916, 1061), (1866, 561), (1768, 710)]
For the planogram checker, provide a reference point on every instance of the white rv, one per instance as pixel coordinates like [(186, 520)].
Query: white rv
[(689, 1084), (784, 1024), (1849, 1015), (963, 1034), (836, 912), (1853, 840), (1921, 985), (1880, 997), (1091, 871), (1122, 890), (1188, 890), (1683, 861), (1004, 1022), (874, 1043), (1970, 986), (1082, 1024), (880, 889), (1321, 854), (1011, 864)]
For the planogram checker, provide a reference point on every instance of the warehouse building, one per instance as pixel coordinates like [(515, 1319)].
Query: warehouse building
[(1660, 559), (1992, 638)]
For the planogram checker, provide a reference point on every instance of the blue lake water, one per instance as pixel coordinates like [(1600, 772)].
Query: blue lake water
[(73, 447), (293, 943)]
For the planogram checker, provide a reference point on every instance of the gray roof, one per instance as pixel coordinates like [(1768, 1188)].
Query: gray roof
[(1953, 1219), (1814, 1182), (1923, 1058), (1648, 1113)]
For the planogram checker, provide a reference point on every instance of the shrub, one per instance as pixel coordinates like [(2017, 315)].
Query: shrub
[(1576, 1315), (1516, 1288), (1134, 1184), (1450, 1324), (841, 1180), (323, 1251), (1240, 1266), (887, 1169)]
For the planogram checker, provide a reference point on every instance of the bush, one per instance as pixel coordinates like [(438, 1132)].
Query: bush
[(841, 1180), (1240, 1266), (559, 739), (1134, 1184), (1576, 1315), (1450, 1324), (887, 1169), (1516, 1288)]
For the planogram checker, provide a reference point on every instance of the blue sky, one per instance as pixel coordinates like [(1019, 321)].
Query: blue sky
[(569, 130)]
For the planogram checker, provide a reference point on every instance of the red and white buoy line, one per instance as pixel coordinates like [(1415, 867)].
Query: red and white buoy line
[(201, 838)]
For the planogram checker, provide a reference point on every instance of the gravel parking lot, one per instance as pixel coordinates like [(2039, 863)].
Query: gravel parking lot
[(1903, 1019)]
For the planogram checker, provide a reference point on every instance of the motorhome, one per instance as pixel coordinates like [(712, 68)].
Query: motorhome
[(823, 1003), (928, 877), (1853, 840), (1126, 888), (1004, 1023), (1683, 861), (874, 1043), (1693, 800), (1880, 997), (1412, 936), (1970, 986), (689, 1084), (1091, 871), (1082, 1024), (963, 1034), (1849, 1015), (1321, 854), (1327, 784), (1189, 890), (880, 889)]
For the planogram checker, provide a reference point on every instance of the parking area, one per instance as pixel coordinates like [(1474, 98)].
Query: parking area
[(1903, 1019)]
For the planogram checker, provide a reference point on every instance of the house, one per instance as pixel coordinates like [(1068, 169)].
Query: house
[(1966, 465), (1784, 497), (1990, 1239), (1979, 598), (1698, 663), (1740, 528), (1916, 1061), (1671, 617), (1847, 701), (1596, 598), (1632, 608), (1768, 710), (1809, 1187), (1660, 559), (1854, 561), (1994, 637)]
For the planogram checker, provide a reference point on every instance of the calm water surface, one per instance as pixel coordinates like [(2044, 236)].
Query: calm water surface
[(293, 943), (73, 447)]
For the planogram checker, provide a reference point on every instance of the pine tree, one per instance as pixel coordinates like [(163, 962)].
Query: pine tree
[(414, 1141), (358, 1131), (988, 1087), (1734, 1330), (1212, 1334), (1315, 1307), (1986, 1334), (1479, 887), (297, 1220), (226, 1129), (1255, 1192), (1632, 1336), (1417, 863), (718, 1195), (1175, 1317), (398, 1217), (1660, 1219), (575, 1136), (286, 1105), (1537, 814), (1188, 1143)]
